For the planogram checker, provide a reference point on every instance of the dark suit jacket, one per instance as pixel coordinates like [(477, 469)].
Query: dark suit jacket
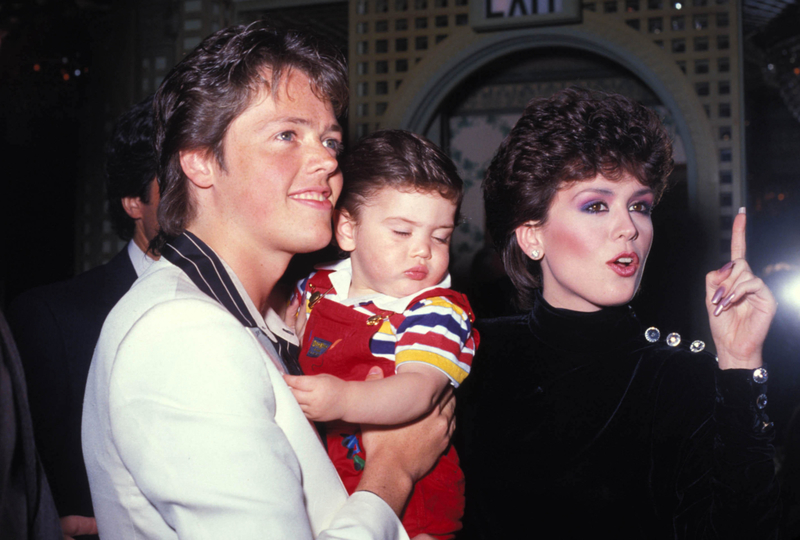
[(56, 328), (27, 511)]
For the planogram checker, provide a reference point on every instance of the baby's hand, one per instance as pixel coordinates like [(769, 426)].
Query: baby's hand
[(295, 316), (321, 397)]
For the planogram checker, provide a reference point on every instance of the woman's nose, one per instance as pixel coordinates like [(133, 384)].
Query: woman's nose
[(624, 226)]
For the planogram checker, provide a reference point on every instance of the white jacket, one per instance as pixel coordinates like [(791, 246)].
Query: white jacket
[(189, 430)]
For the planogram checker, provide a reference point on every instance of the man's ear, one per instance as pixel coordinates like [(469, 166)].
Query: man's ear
[(345, 230), (133, 206), (529, 239), (199, 167)]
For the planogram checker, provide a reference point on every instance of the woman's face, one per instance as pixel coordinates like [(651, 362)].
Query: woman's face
[(595, 242)]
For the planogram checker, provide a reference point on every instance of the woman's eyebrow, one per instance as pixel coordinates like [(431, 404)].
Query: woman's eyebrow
[(644, 191), (610, 192), (598, 191)]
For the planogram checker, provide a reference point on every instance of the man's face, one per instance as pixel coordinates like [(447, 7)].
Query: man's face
[(281, 178)]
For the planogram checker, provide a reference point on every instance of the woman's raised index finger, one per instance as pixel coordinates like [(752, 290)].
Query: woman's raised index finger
[(738, 240)]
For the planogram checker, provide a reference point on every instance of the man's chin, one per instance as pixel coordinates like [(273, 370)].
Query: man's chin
[(315, 244)]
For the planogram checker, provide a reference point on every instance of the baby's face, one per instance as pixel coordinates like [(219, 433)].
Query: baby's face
[(400, 243)]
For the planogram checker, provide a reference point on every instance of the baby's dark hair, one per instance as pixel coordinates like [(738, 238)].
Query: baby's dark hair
[(401, 160)]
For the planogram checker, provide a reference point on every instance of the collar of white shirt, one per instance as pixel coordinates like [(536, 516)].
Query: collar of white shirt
[(141, 262)]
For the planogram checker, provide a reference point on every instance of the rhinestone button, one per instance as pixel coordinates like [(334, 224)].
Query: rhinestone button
[(766, 426), (760, 375), (761, 401), (674, 339), (652, 334), (697, 346)]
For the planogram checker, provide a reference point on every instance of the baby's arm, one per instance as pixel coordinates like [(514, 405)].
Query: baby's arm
[(434, 347), (408, 395)]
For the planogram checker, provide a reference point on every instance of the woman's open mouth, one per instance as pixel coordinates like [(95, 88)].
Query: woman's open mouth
[(625, 264)]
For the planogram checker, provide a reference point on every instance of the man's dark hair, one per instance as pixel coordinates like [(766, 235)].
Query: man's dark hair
[(572, 136), (131, 164), (401, 160), (215, 83)]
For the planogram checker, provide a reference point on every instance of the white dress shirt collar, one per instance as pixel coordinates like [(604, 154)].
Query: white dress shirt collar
[(139, 258)]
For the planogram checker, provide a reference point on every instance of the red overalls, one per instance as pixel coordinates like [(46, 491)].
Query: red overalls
[(336, 341)]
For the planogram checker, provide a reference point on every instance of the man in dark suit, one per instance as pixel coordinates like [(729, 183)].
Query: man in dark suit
[(27, 511), (56, 326)]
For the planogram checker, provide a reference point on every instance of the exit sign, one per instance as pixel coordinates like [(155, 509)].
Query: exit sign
[(499, 14)]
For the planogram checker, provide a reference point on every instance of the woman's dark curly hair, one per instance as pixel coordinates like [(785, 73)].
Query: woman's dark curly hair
[(572, 136)]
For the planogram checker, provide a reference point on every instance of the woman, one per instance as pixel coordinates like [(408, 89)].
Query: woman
[(576, 420)]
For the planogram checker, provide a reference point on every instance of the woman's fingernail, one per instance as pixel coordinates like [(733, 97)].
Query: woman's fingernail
[(742, 210), (727, 267), (718, 310), (717, 296), (725, 303)]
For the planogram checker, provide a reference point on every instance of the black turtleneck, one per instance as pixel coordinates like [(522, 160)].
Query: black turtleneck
[(573, 424)]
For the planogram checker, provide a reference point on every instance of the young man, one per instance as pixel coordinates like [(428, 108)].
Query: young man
[(189, 429)]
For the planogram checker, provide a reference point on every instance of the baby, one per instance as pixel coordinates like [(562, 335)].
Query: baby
[(389, 305)]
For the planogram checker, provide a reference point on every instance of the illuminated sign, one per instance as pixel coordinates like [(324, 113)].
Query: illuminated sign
[(499, 14)]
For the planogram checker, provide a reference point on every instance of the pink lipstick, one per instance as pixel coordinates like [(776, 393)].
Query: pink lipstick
[(625, 264)]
